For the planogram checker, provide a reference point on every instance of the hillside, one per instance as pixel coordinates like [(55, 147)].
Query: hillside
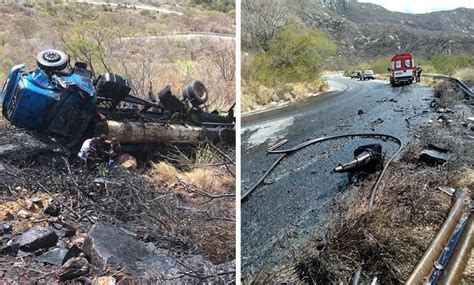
[(365, 31), (168, 44)]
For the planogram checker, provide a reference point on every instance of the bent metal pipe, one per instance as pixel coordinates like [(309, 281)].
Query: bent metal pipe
[(285, 152)]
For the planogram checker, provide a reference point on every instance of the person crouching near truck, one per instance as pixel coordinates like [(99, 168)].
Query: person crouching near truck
[(88, 153), (114, 152)]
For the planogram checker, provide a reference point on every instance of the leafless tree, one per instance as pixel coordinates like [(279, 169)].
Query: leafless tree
[(224, 58), (261, 20)]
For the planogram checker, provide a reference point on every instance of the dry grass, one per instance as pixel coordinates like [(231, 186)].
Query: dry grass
[(386, 241), (465, 74), (256, 96), (208, 179), (216, 239)]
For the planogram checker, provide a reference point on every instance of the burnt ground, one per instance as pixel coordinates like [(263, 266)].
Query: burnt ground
[(178, 218), (343, 234)]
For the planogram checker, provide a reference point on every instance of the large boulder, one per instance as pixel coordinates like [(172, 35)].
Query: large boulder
[(108, 246)]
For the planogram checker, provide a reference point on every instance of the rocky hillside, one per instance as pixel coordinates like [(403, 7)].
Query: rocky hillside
[(365, 31)]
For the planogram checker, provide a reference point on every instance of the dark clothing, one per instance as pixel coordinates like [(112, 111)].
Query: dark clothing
[(101, 129), (418, 71), (115, 149)]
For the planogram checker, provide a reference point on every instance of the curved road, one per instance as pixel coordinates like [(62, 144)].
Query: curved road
[(136, 6), (298, 198)]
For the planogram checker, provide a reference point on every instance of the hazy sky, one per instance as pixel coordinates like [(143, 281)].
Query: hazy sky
[(421, 6)]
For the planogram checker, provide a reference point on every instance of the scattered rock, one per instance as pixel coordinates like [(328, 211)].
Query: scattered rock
[(62, 229), (36, 238), (24, 214), (6, 228), (377, 122), (444, 110), (53, 209), (442, 118), (33, 203), (128, 161), (128, 280), (74, 268), (105, 280), (55, 256), (107, 245), (60, 255), (393, 100), (361, 112)]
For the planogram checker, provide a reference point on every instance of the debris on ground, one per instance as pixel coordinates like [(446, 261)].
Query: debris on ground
[(52, 208), (433, 156), (386, 243)]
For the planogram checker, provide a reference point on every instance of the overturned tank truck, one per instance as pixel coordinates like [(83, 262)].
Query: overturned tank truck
[(67, 104)]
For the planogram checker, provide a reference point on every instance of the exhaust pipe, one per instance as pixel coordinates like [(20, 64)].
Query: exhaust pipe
[(454, 269), (431, 255), (366, 158)]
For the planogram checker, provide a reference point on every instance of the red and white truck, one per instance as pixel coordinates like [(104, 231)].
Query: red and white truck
[(402, 70)]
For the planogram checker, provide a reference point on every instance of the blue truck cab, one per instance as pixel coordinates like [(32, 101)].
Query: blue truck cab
[(60, 104)]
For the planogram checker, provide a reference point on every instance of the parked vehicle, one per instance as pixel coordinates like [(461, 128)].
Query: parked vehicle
[(67, 104), (356, 74), (402, 70), (367, 75)]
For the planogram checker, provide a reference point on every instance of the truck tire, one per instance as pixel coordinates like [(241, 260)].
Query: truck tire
[(52, 60), (196, 92)]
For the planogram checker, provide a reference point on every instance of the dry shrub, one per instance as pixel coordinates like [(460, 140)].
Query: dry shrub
[(464, 179), (208, 179), (447, 94), (466, 73), (387, 240), (164, 172)]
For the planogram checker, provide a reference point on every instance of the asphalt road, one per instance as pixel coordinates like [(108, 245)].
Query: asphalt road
[(299, 197)]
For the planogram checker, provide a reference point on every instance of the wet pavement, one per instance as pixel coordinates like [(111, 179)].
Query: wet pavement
[(298, 198)]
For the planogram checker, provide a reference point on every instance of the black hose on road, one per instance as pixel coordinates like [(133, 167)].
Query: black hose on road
[(285, 152)]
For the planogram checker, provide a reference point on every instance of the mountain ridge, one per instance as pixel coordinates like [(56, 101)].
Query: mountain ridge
[(365, 30)]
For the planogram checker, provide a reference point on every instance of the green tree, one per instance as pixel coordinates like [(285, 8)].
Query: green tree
[(450, 63), (296, 54)]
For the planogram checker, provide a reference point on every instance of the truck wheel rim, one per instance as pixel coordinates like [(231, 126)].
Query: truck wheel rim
[(52, 56), (200, 91)]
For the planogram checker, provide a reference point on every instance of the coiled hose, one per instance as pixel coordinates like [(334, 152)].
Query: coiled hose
[(285, 152)]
